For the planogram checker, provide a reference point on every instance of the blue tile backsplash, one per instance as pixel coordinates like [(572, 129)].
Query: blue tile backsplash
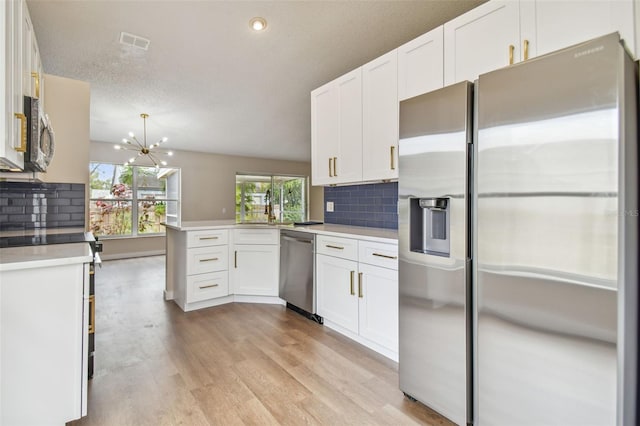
[(30, 205), (373, 205)]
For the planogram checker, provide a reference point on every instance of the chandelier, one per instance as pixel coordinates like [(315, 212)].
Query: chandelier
[(151, 152)]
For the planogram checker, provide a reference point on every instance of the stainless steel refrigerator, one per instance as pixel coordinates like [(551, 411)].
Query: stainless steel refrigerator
[(519, 242)]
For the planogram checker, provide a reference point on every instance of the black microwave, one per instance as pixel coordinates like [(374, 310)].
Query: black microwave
[(40, 137)]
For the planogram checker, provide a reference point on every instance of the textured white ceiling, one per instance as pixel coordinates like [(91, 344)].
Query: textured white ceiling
[(208, 81)]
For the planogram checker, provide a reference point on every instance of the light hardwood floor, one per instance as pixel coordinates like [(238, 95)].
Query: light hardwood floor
[(232, 364)]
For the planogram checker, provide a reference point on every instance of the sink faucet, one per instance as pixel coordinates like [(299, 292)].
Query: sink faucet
[(268, 208)]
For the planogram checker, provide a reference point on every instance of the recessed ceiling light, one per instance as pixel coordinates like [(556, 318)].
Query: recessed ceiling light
[(258, 24)]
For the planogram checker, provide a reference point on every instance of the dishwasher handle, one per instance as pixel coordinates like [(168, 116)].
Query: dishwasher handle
[(292, 239)]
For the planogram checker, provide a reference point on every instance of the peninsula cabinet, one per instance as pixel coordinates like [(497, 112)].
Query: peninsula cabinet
[(357, 290), (256, 262), (336, 131), (380, 118), (198, 262), (499, 33), (421, 64)]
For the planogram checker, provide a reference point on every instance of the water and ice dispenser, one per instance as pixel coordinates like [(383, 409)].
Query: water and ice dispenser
[(430, 226)]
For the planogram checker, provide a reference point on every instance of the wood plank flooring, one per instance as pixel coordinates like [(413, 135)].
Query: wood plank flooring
[(229, 365)]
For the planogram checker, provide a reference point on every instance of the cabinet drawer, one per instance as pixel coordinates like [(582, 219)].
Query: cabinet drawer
[(213, 237), (255, 236), (345, 248), (378, 254), (201, 260), (207, 286)]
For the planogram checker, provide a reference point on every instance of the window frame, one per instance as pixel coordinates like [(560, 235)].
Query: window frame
[(272, 178), (134, 200)]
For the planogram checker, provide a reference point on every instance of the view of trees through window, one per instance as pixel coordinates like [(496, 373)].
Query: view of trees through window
[(131, 200), (287, 194)]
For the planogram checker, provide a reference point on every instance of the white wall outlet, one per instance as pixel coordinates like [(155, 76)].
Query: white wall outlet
[(329, 206)]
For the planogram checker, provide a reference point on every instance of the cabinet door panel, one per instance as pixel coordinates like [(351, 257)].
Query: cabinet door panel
[(324, 132), (478, 41), (378, 305), (553, 25), (348, 162), (334, 299), (255, 270), (421, 64), (380, 118)]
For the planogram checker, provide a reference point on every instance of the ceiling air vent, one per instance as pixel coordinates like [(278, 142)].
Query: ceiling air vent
[(134, 41)]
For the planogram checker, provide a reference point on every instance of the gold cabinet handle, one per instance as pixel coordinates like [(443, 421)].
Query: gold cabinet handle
[(207, 238), (23, 132), (526, 49), (235, 259), (92, 314), (330, 171), (208, 286), (211, 259), (335, 161), (334, 247), (393, 151), (37, 77), (386, 256), (360, 285), (512, 48), (353, 273)]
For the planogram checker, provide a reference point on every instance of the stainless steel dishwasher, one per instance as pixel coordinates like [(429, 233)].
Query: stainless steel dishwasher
[(297, 272)]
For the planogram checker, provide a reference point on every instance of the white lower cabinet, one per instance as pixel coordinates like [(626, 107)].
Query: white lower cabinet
[(336, 297), (255, 270), (198, 267), (43, 352), (378, 305), (358, 298)]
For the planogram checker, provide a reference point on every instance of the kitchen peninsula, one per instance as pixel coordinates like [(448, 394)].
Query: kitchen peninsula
[(210, 263)]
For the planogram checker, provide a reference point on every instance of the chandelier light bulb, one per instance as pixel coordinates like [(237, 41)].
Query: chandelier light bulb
[(164, 163), (132, 159), (117, 147), (165, 139), (170, 153), (131, 134)]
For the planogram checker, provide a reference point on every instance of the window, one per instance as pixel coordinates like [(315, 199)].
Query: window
[(287, 195), (132, 200)]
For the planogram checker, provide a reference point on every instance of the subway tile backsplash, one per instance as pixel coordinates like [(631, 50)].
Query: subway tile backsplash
[(31, 205), (373, 205)]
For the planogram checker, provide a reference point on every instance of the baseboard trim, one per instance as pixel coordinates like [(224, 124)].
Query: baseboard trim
[(129, 255), (168, 295)]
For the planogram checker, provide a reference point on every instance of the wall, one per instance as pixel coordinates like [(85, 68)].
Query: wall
[(208, 189), (372, 205)]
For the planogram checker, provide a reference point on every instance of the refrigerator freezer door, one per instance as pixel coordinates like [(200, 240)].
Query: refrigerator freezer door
[(547, 233), (433, 247)]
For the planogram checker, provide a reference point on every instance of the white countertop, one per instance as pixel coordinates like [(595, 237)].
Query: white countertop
[(375, 234), (14, 258)]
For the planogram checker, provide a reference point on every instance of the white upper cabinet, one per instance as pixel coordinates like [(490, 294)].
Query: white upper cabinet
[(380, 118), (324, 132), (336, 130), (421, 64), (499, 33), (551, 25), (13, 120), (484, 39)]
